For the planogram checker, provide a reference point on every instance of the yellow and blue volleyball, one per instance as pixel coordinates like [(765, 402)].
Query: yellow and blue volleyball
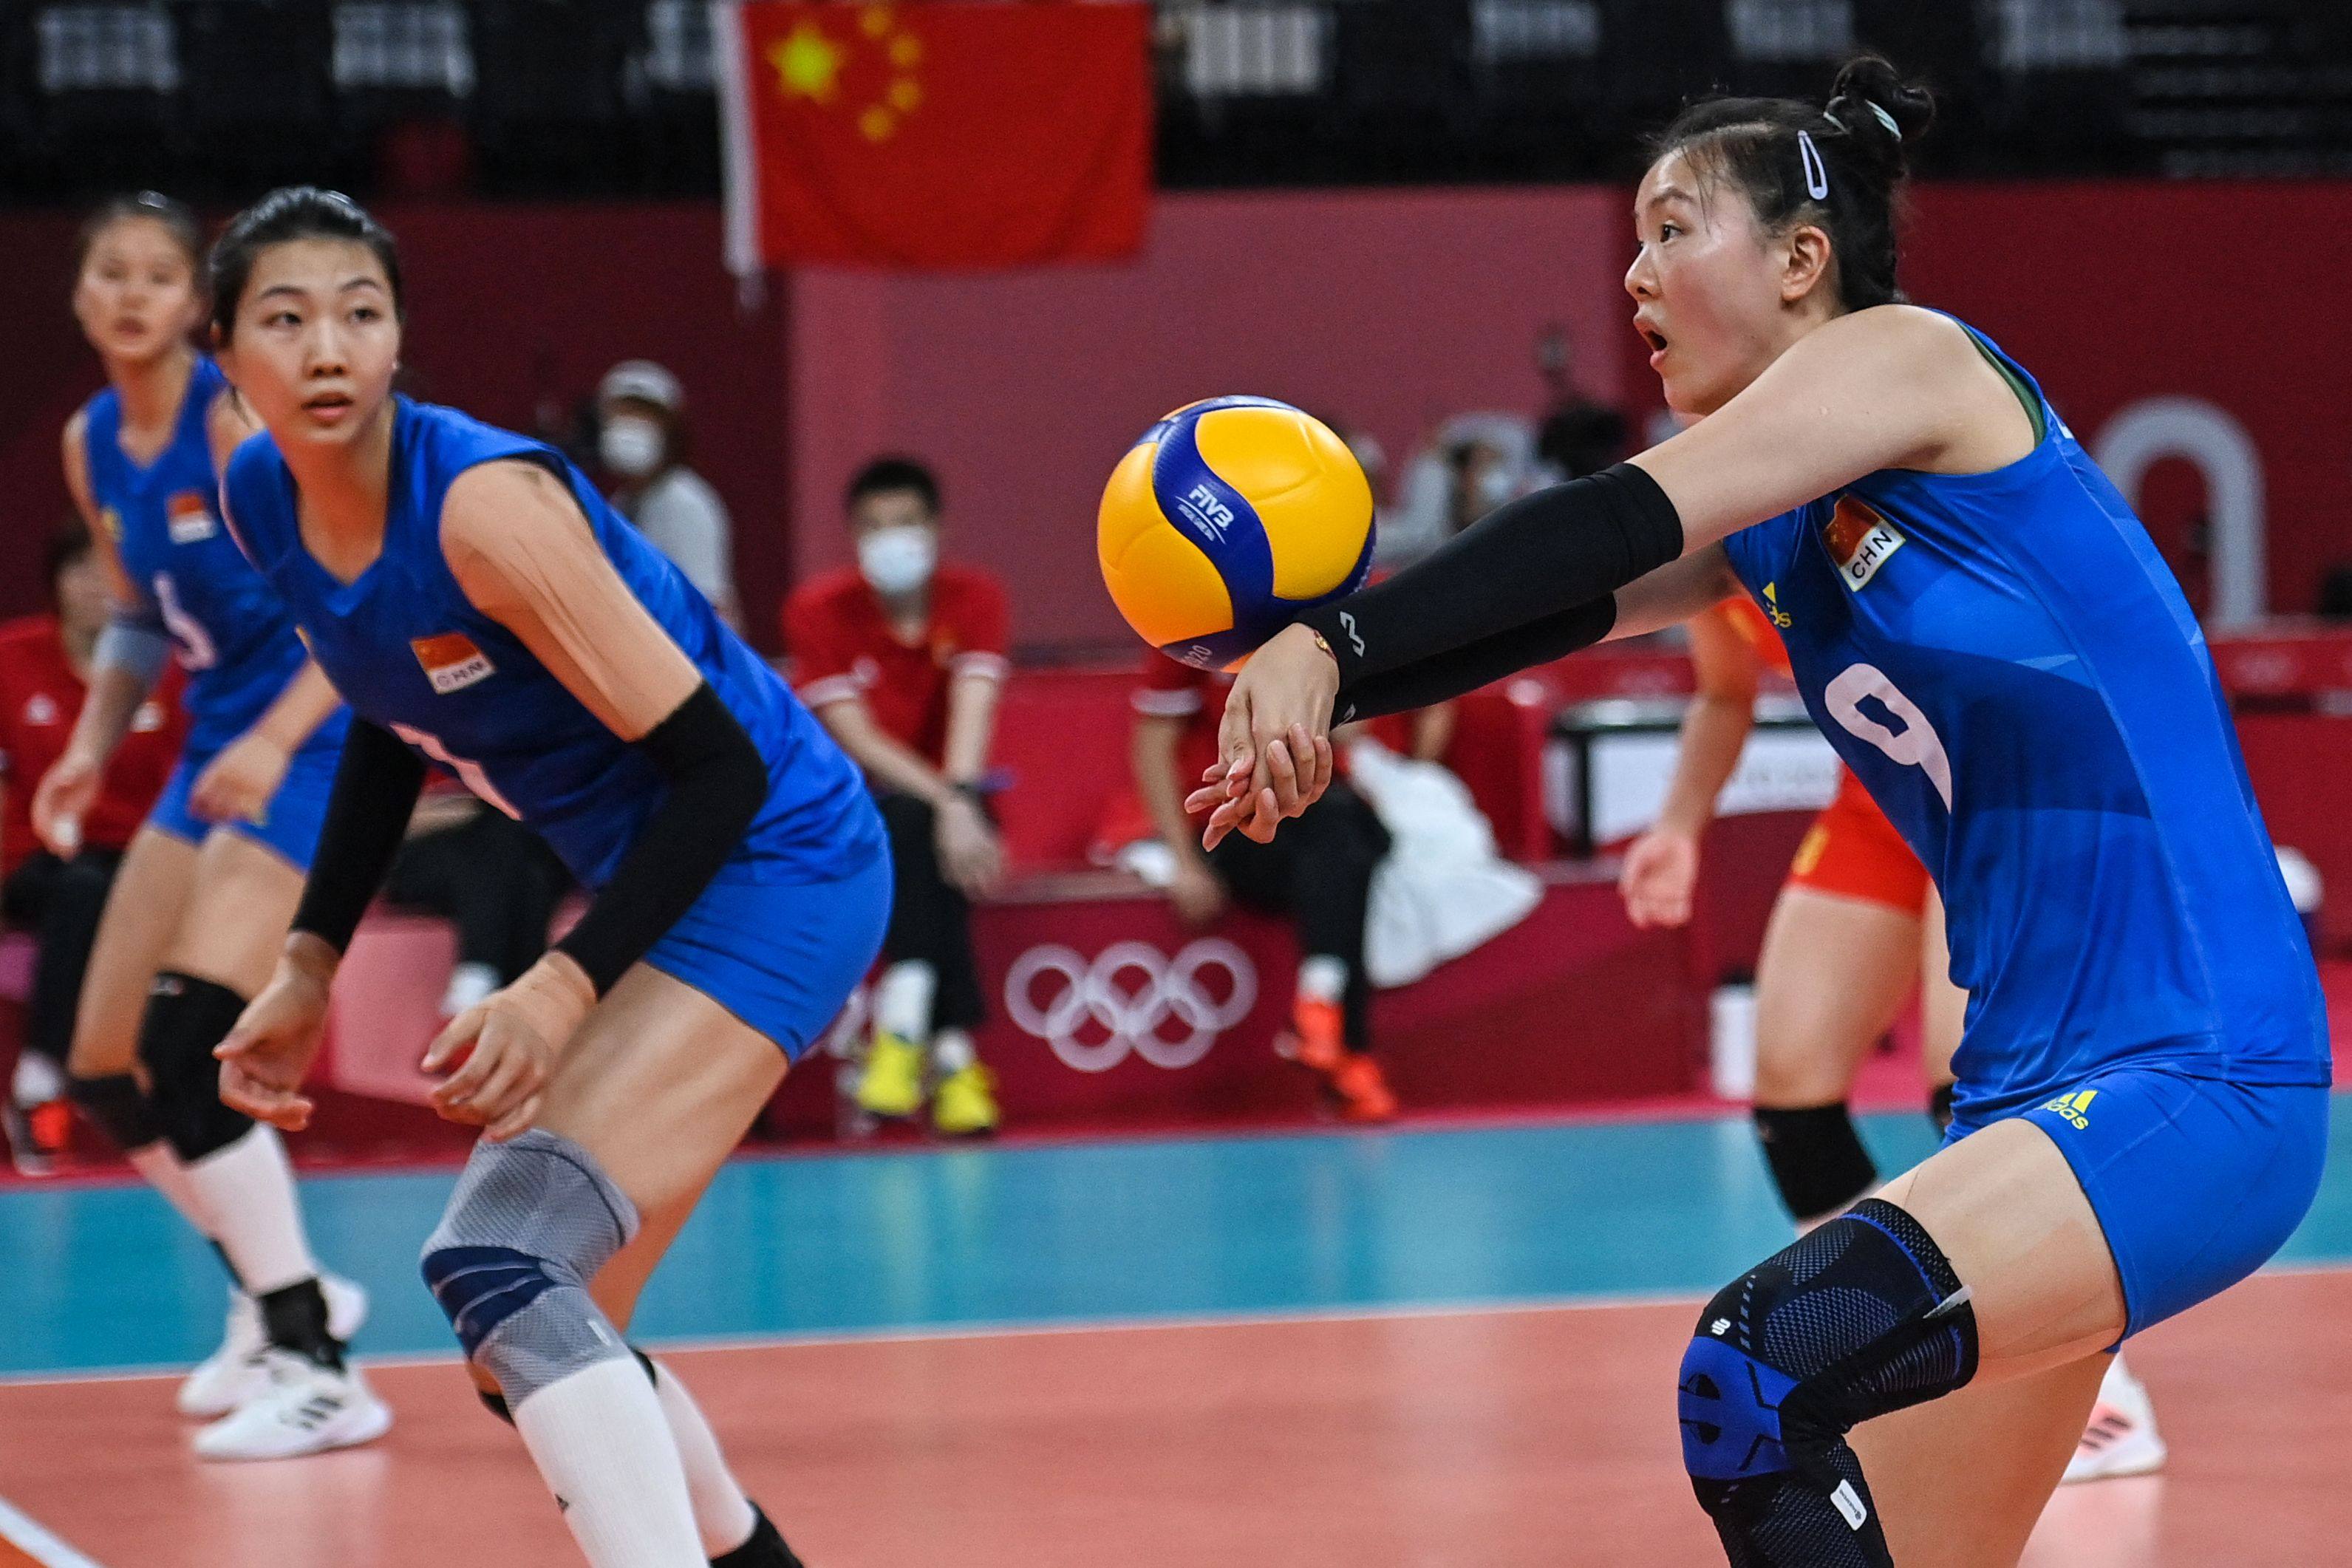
[(1226, 521)]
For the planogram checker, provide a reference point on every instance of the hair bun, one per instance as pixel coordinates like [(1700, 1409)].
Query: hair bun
[(1872, 100)]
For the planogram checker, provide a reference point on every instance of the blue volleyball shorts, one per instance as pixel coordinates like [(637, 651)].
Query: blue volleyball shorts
[(289, 825), (2196, 1181), (781, 956)]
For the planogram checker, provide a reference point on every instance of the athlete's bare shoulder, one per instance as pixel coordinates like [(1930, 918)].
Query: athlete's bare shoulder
[(1985, 427)]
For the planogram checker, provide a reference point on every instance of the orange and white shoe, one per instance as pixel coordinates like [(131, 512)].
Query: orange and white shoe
[(1363, 1091), (2121, 1438), (1316, 1039)]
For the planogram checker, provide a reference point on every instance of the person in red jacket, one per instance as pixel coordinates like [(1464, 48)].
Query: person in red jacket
[(902, 657), (44, 660)]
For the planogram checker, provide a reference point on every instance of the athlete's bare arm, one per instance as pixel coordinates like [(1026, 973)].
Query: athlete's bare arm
[(1891, 387), (64, 794), (521, 550)]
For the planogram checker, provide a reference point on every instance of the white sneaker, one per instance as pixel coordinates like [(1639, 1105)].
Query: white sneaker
[(2121, 1439), (233, 1374), (306, 1409)]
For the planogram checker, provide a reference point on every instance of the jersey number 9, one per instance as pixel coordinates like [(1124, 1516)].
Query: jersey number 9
[(1916, 745)]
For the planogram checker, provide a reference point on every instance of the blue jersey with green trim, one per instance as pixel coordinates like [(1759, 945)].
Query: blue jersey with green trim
[(2007, 664)]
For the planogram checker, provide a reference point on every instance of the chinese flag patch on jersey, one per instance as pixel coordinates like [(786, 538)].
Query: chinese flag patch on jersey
[(187, 517), (1860, 541), (451, 661)]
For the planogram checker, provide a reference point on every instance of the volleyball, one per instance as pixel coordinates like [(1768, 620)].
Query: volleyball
[(1226, 520)]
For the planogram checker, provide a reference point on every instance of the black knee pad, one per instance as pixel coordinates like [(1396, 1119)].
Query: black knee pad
[(1817, 1158), (119, 1107), (185, 1018), (1862, 1317)]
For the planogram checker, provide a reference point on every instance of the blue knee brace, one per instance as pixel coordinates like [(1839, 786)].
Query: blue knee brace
[(531, 1222), (1862, 1317)]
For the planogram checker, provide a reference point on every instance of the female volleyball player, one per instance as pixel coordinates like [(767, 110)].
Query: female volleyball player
[(200, 906), (482, 607), (1855, 922), (1984, 631)]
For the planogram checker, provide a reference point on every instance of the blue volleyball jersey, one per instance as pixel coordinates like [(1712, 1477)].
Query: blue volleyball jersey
[(410, 653), (2007, 664), (227, 628)]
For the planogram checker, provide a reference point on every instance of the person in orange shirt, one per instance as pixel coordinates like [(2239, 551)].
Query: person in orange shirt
[(902, 659), (45, 662)]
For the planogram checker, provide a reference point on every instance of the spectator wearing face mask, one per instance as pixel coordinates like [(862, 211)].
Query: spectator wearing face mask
[(641, 442), (903, 659)]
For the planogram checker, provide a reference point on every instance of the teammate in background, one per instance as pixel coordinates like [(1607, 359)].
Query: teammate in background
[(45, 666), (903, 659), (1320, 874), (201, 901), (1989, 638), (1855, 923), (481, 605)]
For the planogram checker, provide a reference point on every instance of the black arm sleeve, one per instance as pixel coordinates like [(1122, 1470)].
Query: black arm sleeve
[(718, 783), (1554, 551), (376, 786), (1443, 676)]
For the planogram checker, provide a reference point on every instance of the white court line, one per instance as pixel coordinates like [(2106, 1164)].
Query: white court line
[(19, 1530), (1021, 1329), (921, 1333)]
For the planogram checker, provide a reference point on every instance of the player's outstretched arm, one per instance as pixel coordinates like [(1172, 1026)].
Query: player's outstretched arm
[(1889, 387), (522, 551)]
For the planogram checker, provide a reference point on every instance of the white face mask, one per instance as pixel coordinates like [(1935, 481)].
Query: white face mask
[(897, 560), (1495, 486), (630, 444)]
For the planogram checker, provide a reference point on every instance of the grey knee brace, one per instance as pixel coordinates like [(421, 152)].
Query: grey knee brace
[(531, 1222)]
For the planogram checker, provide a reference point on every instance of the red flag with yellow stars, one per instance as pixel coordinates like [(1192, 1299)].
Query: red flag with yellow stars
[(946, 133)]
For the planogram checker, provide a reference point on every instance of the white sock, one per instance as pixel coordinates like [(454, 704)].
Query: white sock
[(159, 1164), (604, 1449), (38, 1081), (1322, 978), (952, 1052), (469, 983), (902, 999), (248, 1188), (721, 1512)]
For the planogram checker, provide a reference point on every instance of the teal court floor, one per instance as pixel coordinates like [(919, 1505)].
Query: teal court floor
[(1433, 1346)]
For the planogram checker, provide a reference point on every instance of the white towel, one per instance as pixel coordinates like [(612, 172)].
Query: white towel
[(1444, 889)]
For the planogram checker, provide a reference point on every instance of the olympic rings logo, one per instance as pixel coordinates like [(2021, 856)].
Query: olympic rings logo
[(1132, 997)]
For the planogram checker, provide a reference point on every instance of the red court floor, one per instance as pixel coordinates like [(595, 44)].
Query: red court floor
[(1482, 1440)]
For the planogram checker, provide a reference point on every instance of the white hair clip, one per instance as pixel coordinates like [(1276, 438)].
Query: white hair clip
[(1817, 173), (1888, 121)]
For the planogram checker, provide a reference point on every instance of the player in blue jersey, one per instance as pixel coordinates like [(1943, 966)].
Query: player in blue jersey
[(481, 606), (200, 907), (1986, 634)]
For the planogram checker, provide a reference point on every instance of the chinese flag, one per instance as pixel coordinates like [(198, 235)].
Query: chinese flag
[(948, 134)]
